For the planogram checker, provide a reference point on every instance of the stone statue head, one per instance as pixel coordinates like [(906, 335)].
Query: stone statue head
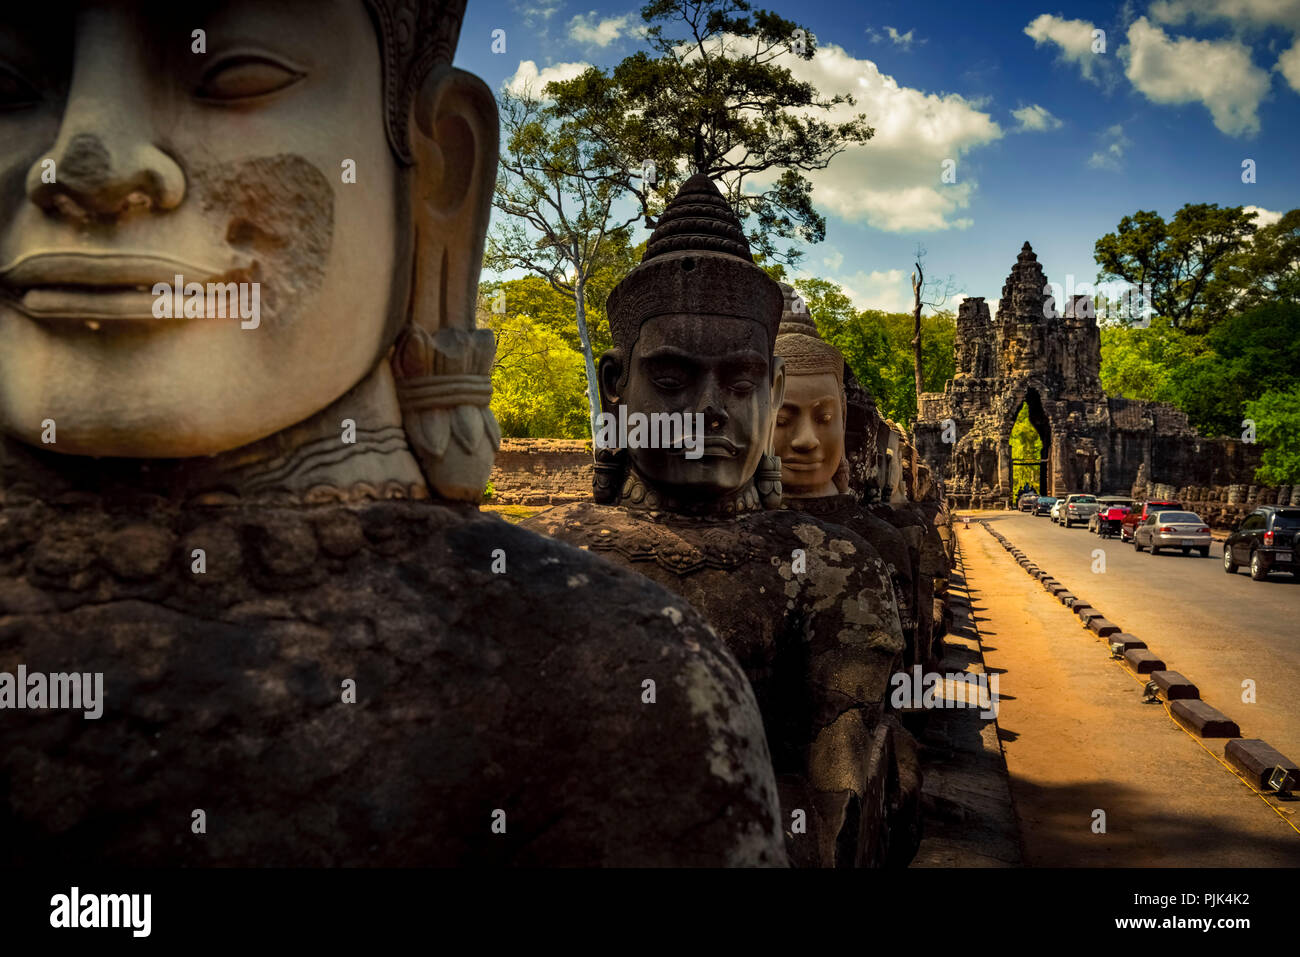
[(694, 327), (324, 152), (809, 434)]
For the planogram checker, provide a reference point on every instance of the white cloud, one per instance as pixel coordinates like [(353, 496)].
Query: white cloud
[(587, 30), (1282, 13), (833, 261), (889, 290), (1074, 37), (1263, 217), (893, 180), (904, 40), (1288, 64), (1111, 155), (528, 76), (1036, 119), (1216, 73)]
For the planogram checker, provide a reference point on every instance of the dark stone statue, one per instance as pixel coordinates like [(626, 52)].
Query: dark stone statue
[(260, 531), (806, 606)]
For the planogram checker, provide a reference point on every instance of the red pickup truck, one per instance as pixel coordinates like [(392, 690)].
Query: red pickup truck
[(1137, 516)]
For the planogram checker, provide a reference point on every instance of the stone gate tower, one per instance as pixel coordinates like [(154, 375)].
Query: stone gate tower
[(1048, 359)]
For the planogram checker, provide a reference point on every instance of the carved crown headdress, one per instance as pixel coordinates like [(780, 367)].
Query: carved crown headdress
[(414, 37), (696, 262)]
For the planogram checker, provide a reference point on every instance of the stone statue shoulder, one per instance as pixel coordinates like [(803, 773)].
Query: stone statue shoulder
[(399, 683)]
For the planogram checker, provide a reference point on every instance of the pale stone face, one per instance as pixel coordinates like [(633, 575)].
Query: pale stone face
[(809, 435), (223, 165)]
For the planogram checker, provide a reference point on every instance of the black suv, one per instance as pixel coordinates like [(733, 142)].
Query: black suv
[(1266, 541)]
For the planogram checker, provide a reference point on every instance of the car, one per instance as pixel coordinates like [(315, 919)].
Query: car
[(1137, 515), (1111, 508), (1044, 505), (1055, 513), (1173, 529), (1076, 508), (1264, 542), (1027, 502)]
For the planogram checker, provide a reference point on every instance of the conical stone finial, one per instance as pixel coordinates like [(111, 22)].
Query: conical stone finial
[(698, 218)]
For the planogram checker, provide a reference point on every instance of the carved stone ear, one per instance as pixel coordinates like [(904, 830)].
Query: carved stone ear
[(608, 372), (778, 384), (442, 363)]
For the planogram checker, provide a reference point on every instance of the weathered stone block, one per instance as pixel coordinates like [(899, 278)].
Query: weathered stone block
[(1171, 686), (1256, 759), (1143, 661), (1203, 720), (1102, 627)]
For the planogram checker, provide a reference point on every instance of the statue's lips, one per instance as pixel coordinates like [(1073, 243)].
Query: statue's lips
[(98, 286), (801, 466)]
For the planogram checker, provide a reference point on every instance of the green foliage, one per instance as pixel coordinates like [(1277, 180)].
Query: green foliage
[(1136, 363), (1187, 261), (1025, 444), (878, 346), (489, 492), (733, 112), (538, 378), (1265, 270), (1211, 377), (1277, 427)]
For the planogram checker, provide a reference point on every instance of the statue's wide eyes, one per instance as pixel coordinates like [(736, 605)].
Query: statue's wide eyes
[(15, 92), (246, 76)]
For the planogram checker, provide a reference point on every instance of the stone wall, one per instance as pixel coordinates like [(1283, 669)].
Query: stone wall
[(542, 472)]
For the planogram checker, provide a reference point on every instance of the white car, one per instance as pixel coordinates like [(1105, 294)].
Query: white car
[(1181, 530)]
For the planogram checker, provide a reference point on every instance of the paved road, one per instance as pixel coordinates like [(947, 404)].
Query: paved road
[(1216, 629)]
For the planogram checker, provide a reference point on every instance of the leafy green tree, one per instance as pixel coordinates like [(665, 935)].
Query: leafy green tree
[(537, 379), (1136, 363), (878, 346), (1276, 415), (1245, 356), (558, 192), (1267, 269), (1026, 445), (713, 95), (1178, 259)]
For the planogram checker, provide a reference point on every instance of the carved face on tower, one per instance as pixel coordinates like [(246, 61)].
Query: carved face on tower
[(240, 142), (693, 328)]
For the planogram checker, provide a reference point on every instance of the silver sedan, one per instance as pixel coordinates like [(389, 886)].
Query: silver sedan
[(1181, 530)]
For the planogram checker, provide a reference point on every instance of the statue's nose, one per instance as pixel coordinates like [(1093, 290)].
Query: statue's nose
[(95, 178), (106, 162)]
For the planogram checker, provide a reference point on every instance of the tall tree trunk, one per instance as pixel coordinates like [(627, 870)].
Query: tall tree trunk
[(593, 391), (918, 282)]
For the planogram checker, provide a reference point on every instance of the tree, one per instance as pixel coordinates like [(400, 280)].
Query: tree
[(937, 298), (1264, 270), (1177, 259), (558, 193), (716, 97), (877, 346), (1276, 415), (537, 376)]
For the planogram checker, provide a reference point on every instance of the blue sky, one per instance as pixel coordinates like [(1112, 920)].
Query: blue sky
[(1053, 143)]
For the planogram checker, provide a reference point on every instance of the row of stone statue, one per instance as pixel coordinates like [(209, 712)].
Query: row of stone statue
[(820, 593), (264, 544)]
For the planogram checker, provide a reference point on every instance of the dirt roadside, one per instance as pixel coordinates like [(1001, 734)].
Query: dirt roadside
[(1078, 739)]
